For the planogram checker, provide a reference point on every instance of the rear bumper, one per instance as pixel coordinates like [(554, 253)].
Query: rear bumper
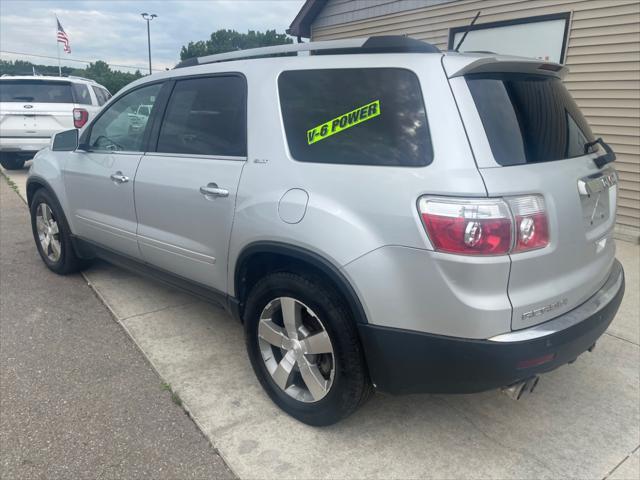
[(23, 144), (402, 361)]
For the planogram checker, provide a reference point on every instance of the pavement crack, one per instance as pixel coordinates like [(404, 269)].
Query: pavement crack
[(157, 310), (620, 463), (623, 339)]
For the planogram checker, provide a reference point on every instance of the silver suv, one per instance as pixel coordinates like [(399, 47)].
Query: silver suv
[(379, 214), (32, 108)]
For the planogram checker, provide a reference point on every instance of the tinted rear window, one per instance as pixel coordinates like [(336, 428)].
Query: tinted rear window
[(101, 95), (529, 118), (35, 91), (205, 116), (372, 116), (81, 94)]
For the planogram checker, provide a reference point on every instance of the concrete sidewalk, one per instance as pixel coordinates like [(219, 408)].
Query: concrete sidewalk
[(77, 398), (582, 422)]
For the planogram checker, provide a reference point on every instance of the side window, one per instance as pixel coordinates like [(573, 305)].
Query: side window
[(106, 93), (122, 125), (81, 94), (576, 139), (206, 116), (100, 96), (363, 116)]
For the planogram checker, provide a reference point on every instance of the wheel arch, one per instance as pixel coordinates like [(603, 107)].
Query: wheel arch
[(260, 258), (34, 183)]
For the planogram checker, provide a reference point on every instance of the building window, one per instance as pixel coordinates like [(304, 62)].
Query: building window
[(543, 37)]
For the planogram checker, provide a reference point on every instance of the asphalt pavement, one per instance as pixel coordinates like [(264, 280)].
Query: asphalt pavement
[(77, 397)]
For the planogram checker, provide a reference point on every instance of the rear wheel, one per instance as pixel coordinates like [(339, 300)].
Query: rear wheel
[(52, 235), (11, 161), (304, 348)]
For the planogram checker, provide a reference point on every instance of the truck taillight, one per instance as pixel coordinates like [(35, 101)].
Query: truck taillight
[(485, 226), (80, 117)]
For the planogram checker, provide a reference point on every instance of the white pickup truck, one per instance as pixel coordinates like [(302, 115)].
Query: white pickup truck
[(32, 108)]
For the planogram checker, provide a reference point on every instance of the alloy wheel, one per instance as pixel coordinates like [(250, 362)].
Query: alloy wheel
[(48, 232), (296, 349)]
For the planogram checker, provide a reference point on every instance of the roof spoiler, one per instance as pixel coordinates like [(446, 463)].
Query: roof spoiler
[(457, 66)]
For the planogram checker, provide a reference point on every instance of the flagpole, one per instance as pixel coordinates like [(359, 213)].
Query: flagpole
[(59, 67), (58, 47)]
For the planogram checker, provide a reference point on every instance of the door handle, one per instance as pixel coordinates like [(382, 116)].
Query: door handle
[(119, 178), (212, 190)]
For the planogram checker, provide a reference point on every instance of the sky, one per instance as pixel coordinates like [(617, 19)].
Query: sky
[(114, 31)]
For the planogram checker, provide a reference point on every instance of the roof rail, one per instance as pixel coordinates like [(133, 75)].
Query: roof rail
[(90, 80), (29, 74), (381, 44)]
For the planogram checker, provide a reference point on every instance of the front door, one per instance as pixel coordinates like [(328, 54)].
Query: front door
[(99, 176), (185, 191)]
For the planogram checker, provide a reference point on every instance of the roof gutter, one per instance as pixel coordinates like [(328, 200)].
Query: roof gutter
[(301, 25)]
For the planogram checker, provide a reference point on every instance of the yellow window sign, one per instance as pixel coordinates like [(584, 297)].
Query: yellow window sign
[(344, 121)]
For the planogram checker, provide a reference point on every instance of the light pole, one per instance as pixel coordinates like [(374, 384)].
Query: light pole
[(148, 17)]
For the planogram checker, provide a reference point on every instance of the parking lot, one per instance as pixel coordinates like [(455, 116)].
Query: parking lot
[(583, 421)]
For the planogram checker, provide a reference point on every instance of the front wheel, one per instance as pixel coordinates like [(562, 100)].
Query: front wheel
[(304, 348), (52, 234), (11, 161)]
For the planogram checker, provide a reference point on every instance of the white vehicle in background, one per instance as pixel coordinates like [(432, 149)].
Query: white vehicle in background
[(138, 119), (32, 108)]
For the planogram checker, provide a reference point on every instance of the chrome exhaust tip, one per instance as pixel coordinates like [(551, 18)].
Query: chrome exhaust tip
[(518, 390)]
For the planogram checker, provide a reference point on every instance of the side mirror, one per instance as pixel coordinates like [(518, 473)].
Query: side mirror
[(66, 141)]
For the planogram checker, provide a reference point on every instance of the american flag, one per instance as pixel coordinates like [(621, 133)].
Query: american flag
[(62, 37)]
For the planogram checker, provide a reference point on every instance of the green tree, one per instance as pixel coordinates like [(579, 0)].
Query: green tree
[(99, 71), (114, 80), (21, 67), (223, 41)]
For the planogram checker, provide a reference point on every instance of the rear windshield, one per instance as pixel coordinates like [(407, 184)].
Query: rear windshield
[(529, 118), (35, 91), (373, 116)]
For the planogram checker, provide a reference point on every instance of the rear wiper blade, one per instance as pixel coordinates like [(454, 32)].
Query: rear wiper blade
[(602, 160)]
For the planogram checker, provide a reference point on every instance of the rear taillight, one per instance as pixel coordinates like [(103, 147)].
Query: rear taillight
[(481, 227), (485, 226), (531, 226), (80, 117)]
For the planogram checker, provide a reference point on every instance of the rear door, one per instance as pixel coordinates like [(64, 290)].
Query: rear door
[(99, 176), (35, 108), (529, 138), (185, 191)]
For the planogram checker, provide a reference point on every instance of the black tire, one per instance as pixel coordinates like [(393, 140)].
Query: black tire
[(11, 161), (351, 386), (68, 262)]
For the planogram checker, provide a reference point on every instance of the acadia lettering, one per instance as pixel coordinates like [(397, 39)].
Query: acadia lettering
[(344, 121)]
